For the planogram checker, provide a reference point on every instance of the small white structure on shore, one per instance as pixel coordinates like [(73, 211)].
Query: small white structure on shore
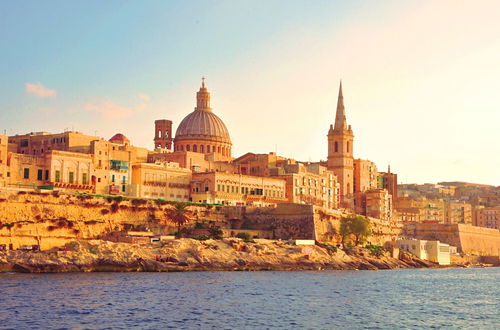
[(305, 242), (434, 251)]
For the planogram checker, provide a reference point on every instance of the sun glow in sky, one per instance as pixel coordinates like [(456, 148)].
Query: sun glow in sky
[(420, 78)]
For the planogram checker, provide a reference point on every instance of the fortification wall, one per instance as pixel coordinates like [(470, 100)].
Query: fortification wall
[(296, 221), (468, 239)]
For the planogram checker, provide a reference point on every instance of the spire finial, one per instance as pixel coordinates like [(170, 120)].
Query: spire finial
[(340, 119), (203, 82)]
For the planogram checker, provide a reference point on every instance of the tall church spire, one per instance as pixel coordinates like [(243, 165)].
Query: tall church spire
[(203, 97), (340, 119)]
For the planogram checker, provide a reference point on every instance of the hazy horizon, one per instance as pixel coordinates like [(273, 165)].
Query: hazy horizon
[(419, 78)]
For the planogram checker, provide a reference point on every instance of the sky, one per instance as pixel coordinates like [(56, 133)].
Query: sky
[(420, 78)]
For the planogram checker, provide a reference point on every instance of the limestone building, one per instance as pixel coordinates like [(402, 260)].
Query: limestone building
[(388, 180), (306, 183), (340, 153), (487, 217), (365, 178), (203, 131), (237, 189), (378, 204), (165, 181), (4, 147), (458, 212), (163, 134)]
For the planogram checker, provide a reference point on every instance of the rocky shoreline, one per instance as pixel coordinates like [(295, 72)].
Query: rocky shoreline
[(230, 254)]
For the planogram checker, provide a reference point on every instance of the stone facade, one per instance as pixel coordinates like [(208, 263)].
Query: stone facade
[(487, 217), (165, 181), (365, 178), (458, 212), (378, 204), (340, 153), (237, 189)]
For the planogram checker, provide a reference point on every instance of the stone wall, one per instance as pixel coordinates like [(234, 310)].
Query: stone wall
[(297, 221), (468, 239), (51, 220)]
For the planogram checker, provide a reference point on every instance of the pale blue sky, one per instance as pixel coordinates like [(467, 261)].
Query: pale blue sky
[(420, 77)]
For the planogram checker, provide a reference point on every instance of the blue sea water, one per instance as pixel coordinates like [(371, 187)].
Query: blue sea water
[(393, 299)]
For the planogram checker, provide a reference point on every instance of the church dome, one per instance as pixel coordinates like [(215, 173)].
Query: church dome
[(120, 139), (202, 123)]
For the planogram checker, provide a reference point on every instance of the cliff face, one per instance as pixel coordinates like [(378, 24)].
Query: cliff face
[(188, 254), (52, 220)]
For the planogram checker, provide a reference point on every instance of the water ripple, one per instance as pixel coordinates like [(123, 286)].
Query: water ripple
[(402, 299)]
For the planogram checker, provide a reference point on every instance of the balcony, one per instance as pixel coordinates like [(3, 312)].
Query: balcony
[(119, 165)]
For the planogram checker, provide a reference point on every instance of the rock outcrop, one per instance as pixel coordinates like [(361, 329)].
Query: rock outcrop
[(193, 255)]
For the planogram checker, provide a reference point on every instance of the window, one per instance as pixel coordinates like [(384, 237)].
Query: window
[(57, 176), (124, 188), (218, 187), (206, 187), (195, 148), (336, 146), (71, 177), (124, 179), (208, 149), (40, 175), (26, 173), (113, 178), (188, 148), (347, 146), (84, 178), (201, 148), (46, 175)]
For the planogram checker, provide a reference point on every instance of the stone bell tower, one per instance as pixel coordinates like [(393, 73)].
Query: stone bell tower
[(340, 153), (163, 134)]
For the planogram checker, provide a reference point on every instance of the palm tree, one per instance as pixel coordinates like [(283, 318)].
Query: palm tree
[(179, 215)]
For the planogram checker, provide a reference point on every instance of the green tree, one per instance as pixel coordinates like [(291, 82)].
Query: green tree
[(345, 228), (360, 228), (179, 215)]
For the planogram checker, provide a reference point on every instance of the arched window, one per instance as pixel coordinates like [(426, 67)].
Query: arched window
[(202, 148), (159, 134), (195, 148), (208, 149), (336, 146), (182, 148), (188, 148), (347, 146), (218, 149)]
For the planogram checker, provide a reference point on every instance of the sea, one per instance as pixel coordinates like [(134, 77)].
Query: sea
[(449, 298)]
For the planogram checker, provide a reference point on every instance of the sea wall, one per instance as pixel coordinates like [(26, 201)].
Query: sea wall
[(468, 239)]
